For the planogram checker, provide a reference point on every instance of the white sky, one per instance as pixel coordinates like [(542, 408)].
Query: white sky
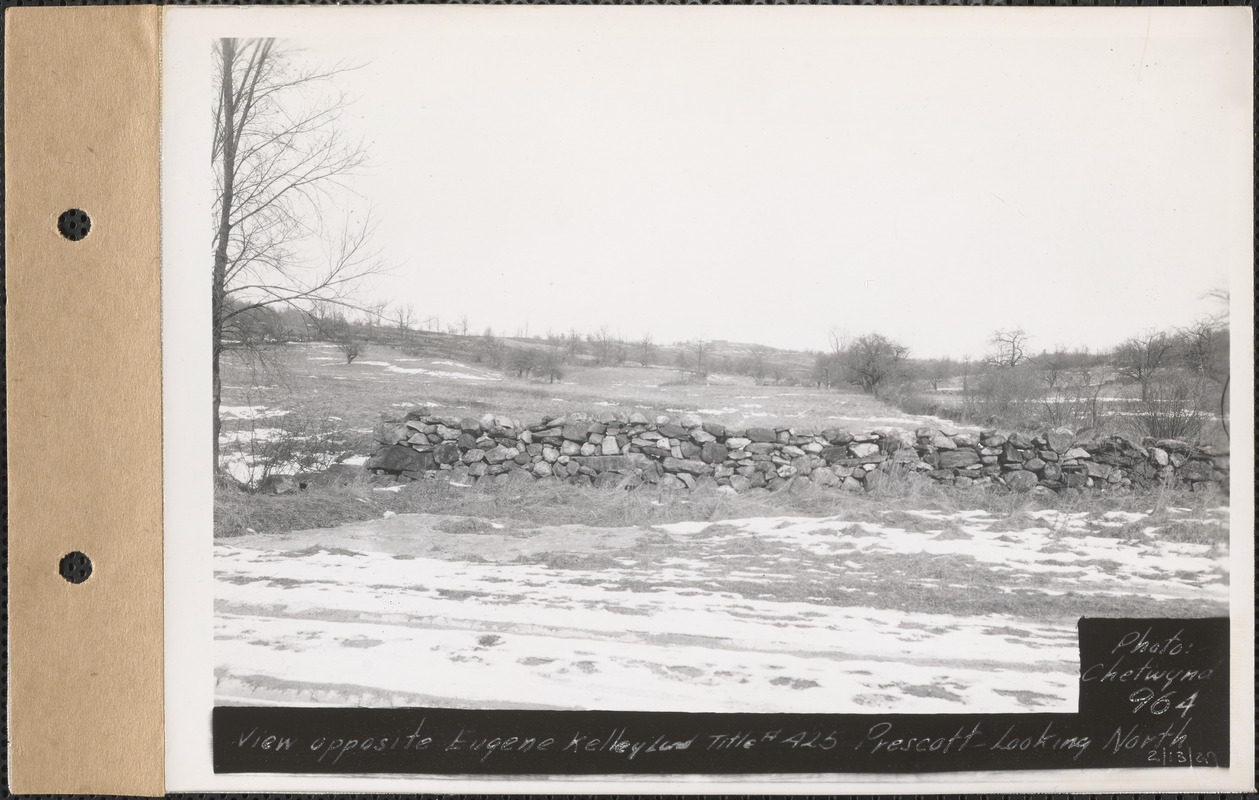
[(765, 174)]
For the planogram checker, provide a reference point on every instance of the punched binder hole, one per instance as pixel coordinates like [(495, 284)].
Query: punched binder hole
[(74, 224), (75, 567)]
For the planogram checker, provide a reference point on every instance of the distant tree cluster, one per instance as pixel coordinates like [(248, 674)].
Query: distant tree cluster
[(526, 362), (609, 350), (875, 360), (871, 361), (1173, 381)]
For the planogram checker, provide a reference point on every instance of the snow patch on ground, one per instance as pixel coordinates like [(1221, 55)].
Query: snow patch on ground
[(691, 616), (433, 373), (578, 642), (249, 412), (437, 373)]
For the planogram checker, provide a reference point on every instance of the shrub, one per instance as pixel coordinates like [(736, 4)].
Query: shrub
[(1074, 403), (296, 442), (1173, 406), (917, 397), (1005, 396), (349, 348)]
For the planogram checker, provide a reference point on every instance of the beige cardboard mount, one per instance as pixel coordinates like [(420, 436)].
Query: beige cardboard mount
[(84, 400)]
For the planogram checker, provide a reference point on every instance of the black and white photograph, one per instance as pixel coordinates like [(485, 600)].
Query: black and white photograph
[(723, 360)]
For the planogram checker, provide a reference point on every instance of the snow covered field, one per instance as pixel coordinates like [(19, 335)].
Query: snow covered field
[(928, 612)]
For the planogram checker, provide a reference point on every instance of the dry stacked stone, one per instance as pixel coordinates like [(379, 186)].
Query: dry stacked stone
[(628, 450)]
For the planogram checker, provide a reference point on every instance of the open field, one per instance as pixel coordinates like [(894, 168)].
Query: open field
[(916, 598), (923, 612)]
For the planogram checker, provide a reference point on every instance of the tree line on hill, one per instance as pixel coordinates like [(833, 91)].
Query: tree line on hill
[(1172, 379)]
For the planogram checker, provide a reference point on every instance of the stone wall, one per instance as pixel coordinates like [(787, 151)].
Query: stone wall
[(628, 450)]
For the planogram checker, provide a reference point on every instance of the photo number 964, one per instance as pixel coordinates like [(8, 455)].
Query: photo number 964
[(1146, 698)]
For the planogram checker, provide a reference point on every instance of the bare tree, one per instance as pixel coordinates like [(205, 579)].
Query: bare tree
[(375, 312), (348, 346), (602, 341), (277, 156), (758, 367), (522, 361), (838, 340), (1052, 364), (404, 316), (1204, 345), (1204, 349), (646, 349), (1007, 348), (939, 370), (463, 325), (874, 359), (700, 348), (552, 365), (573, 344), (1141, 358), (491, 348), (821, 373), (552, 361), (1222, 298)]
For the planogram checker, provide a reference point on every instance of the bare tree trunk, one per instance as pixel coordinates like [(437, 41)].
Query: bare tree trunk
[(218, 292)]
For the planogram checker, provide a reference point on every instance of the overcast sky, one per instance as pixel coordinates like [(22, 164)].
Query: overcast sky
[(766, 174)]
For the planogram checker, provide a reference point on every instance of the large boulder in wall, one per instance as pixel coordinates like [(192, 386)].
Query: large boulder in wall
[(1020, 480), (761, 434), (713, 453), (686, 465), (1059, 439), (447, 453), (397, 458)]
